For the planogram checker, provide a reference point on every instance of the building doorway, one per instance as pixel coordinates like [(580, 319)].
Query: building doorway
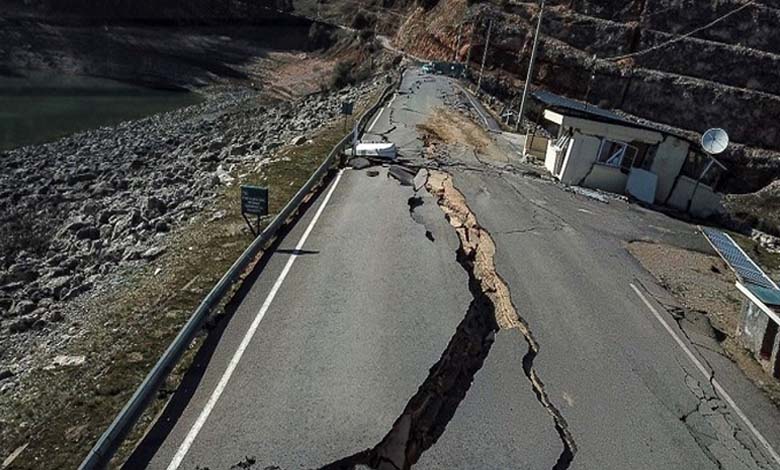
[(769, 341)]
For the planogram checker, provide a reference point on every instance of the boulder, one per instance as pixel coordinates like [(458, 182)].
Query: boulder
[(161, 226), (6, 304), (22, 272), (23, 307), (238, 150), (88, 233), (21, 324), (58, 285), (154, 207), (152, 253)]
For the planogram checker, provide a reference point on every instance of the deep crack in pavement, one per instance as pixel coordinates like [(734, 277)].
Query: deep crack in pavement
[(430, 409), (473, 236)]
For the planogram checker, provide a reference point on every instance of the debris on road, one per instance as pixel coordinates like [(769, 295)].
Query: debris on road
[(402, 174), (595, 194), (359, 163), (420, 179), (385, 150)]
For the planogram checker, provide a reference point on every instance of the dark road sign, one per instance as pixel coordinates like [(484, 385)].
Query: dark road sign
[(347, 107), (254, 200)]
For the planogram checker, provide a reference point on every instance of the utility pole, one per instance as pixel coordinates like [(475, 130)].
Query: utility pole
[(457, 46), (530, 68), (484, 56), (468, 53)]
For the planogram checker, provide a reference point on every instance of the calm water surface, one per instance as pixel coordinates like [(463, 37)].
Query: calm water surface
[(42, 109)]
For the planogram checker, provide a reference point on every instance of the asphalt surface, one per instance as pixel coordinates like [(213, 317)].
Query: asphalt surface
[(376, 293)]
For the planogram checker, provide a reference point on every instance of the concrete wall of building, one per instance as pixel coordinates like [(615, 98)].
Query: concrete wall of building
[(580, 158), (608, 178), (770, 366), (611, 131), (549, 158), (751, 332), (704, 203), (669, 159), (752, 327), (681, 193)]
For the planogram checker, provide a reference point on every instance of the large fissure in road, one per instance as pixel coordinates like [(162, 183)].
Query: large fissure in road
[(477, 243), (429, 411)]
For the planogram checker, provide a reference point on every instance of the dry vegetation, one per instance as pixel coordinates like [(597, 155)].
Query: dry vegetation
[(455, 128)]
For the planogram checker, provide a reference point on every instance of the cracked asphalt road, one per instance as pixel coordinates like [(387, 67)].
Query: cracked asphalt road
[(377, 297)]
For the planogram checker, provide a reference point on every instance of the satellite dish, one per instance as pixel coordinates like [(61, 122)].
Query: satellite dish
[(714, 141)]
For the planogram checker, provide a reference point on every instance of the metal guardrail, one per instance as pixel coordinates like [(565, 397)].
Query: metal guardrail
[(105, 448)]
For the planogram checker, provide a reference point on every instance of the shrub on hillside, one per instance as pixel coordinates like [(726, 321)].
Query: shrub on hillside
[(319, 36), (363, 20), (342, 75), (349, 73)]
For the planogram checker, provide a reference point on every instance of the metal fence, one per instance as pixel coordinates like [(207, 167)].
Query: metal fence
[(105, 448)]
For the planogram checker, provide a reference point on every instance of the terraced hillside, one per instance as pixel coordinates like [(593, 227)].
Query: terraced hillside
[(726, 75)]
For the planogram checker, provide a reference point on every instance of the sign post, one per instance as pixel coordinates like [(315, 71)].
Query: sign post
[(346, 109), (254, 201)]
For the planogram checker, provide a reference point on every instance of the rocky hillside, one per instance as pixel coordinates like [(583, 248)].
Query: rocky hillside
[(727, 75), (166, 44)]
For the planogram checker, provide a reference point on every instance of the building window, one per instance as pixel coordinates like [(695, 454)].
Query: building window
[(562, 142), (617, 154), (768, 343), (645, 156), (703, 168), (694, 164)]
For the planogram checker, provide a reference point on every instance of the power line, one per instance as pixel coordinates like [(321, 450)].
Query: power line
[(530, 74), (686, 35)]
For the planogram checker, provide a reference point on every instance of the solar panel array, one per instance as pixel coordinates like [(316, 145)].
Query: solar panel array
[(745, 268)]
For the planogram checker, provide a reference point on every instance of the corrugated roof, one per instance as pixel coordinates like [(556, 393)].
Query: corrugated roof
[(562, 103)]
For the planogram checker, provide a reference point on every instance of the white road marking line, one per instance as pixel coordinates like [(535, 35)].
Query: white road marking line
[(204, 414), (379, 114), (715, 384)]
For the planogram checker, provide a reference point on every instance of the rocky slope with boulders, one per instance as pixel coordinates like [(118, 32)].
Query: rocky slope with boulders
[(77, 210)]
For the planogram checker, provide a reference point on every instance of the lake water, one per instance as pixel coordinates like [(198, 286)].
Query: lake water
[(42, 109)]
